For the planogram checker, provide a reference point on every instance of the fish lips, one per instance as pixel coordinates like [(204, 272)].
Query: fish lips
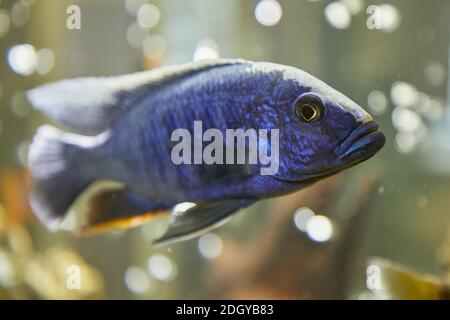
[(362, 143)]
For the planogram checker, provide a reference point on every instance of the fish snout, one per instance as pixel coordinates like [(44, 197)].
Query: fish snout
[(363, 142)]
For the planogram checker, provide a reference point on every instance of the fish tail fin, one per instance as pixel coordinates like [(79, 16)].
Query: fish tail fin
[(53, 160)]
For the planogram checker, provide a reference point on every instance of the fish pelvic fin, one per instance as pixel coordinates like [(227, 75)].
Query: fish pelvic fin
[(53, 160), (200, 219)]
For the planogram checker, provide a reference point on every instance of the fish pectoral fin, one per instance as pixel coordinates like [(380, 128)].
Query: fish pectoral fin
[(110, 207), (200, 219)]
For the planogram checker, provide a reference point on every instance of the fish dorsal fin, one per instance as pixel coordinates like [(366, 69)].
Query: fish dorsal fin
[(90, 105)]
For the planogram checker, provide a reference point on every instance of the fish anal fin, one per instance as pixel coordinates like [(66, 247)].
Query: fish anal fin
[(110, 205), (125, 222)]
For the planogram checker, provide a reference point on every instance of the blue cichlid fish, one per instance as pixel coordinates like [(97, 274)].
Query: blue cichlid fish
[(117, 165)]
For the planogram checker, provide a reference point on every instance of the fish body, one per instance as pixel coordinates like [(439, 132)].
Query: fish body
[(124, 133)]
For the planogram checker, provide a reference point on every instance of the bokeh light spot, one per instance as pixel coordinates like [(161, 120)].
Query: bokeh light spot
[(22, 59), (210, 245), (268, 12), (435, 73), (135, 35), (45, 61), (338, 15), (161, 267), (404, 94), (319, 228), (148, 15), (377, 102), (301, 217), (136, 280)]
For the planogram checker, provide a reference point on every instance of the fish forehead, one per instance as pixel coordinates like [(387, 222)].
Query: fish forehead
[(305, 79)]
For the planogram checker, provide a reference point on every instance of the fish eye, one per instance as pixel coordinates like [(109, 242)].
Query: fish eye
[(309, 107)]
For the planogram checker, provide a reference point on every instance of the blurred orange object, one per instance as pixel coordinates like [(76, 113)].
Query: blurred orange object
[(14, 187)]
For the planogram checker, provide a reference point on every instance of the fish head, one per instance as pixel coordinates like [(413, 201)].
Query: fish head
[(321, 131)]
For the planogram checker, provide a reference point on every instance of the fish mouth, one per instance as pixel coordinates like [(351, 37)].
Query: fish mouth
[(362, 143)]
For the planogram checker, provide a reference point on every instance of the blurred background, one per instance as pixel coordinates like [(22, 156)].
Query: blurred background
[(380, 230)]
